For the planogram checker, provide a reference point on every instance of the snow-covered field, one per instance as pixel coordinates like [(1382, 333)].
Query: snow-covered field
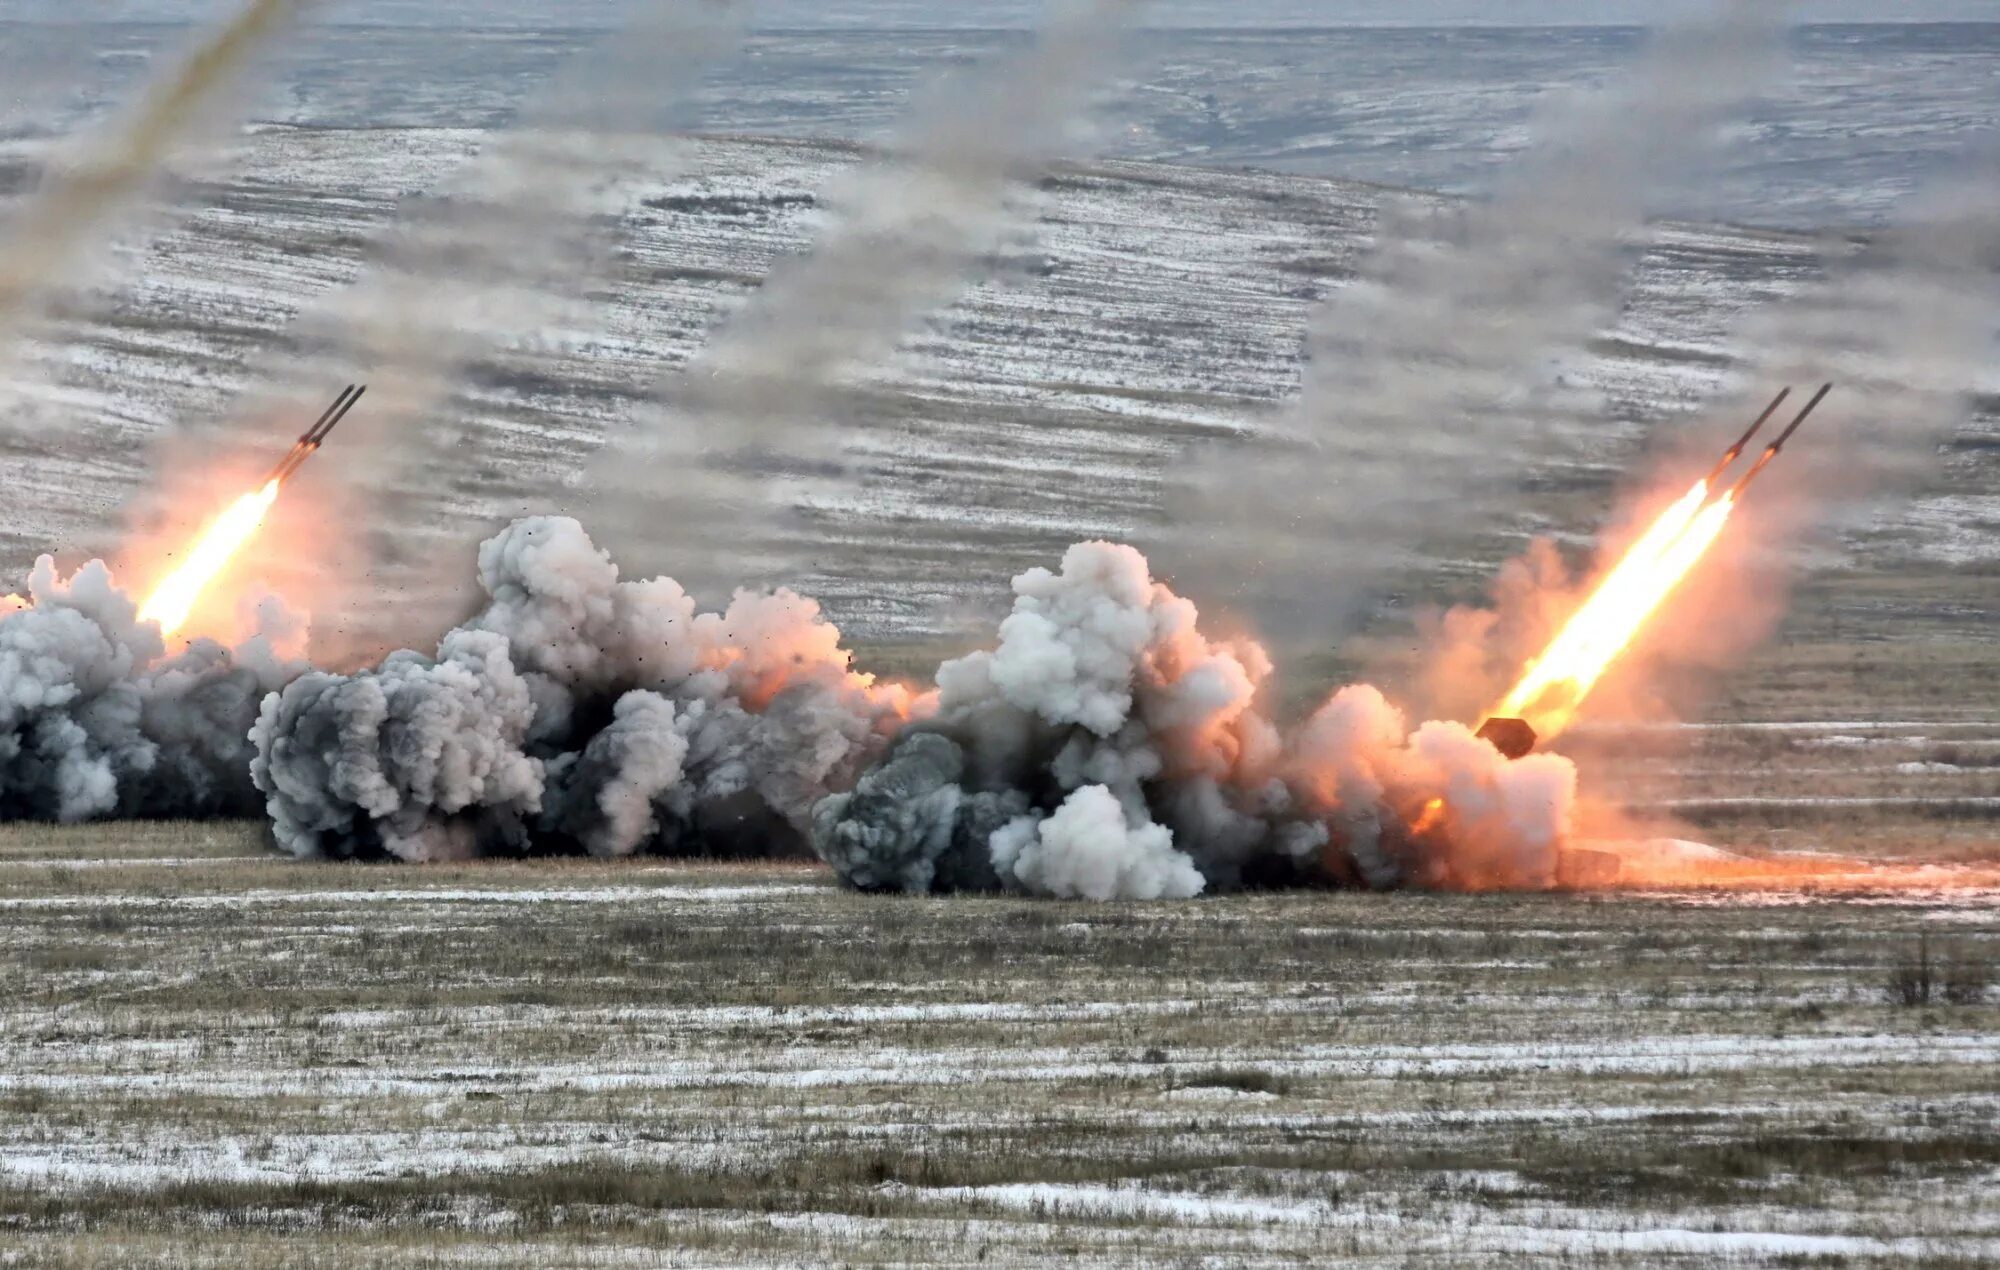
[(1152, 310), (205, 1052)]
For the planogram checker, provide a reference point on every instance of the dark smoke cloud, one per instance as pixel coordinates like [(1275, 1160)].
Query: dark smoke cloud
[(1107, 749), (576, 713), (97, 721)]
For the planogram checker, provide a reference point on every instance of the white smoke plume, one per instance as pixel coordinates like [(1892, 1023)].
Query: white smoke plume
[(1481, 820), (1088, 850), (1107, 749), (98, 721), (576, 713), (1427, 393), (90, 188), (756, 406)]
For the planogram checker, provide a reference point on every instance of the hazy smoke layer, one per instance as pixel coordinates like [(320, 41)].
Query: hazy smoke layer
[(86, 192), (509, 248), (1107, 749), (1907, 331), (757, 405), (1428, 390), (576, 712), (96, 721), (47, 74)]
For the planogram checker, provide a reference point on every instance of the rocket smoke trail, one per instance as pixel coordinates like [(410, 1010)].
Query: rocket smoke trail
[(1910, 326), (1909, 323), (515, 238), (911, 228), (1410, 415), (90, 188)]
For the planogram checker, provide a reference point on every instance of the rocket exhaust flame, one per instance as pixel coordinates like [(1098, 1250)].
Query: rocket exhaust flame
[(1556, 683), (173, 600)]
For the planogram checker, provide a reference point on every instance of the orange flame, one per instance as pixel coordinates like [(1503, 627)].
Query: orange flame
[(13, 604), (1429, 819), (173, 599), (1555, 684)]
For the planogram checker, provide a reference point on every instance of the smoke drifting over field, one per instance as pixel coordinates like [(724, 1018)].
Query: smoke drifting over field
[(97, 721), (1911, 326), (1107, 749), (90, 189), (761, 403), (1106, 746), (576, 713), (1428, 393), (509, 247), (517, 235)]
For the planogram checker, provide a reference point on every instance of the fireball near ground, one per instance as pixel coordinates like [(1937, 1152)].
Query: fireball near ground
[(1161, 636)]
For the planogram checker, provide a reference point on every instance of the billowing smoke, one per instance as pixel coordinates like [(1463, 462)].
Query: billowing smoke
[(757, 406), (1437, 807), (88, 190), (1428, 391), (576, 713), (1106, 748), (98, 721)]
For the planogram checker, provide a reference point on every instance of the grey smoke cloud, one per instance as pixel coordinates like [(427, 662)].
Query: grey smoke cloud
[(97, 721), (1106, 749), (575, 712), (1428, 393)]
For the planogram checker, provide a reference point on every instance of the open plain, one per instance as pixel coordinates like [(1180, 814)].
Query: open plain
[(211, 1055), (214, 1055)]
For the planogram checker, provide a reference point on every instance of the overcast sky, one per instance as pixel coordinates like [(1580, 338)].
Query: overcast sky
[(1023, 12)]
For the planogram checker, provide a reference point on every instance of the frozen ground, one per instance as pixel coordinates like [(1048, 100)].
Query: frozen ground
[(209, 1054), (1862, 114)]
